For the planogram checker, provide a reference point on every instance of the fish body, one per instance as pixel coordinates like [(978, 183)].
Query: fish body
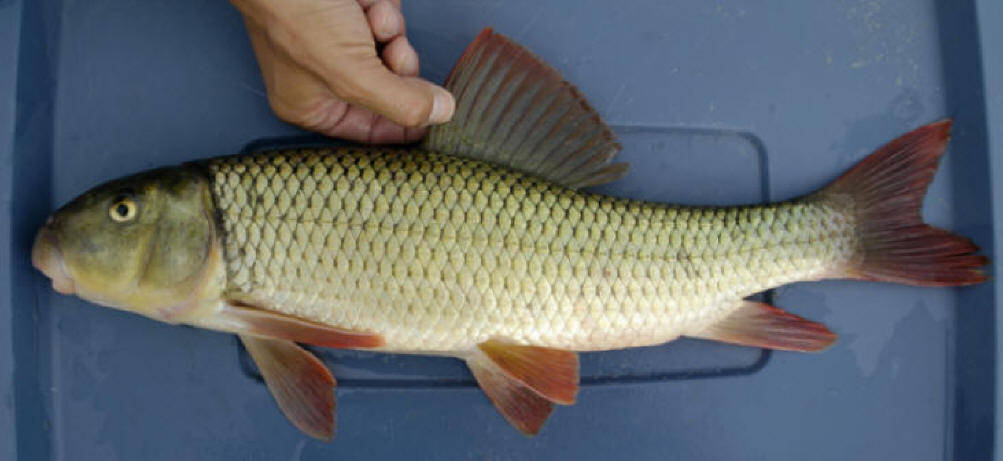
[(481, 245), (441, 253)]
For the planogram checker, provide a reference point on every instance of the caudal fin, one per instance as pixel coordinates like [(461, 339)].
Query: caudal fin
[(887, 190)]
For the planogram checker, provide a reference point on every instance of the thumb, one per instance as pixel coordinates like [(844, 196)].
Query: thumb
[(408, 101)]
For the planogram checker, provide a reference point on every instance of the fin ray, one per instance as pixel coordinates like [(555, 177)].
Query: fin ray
[(887, 190), (247, 320), (523, 382), (514, 110), (553, 373), (301, 385), (522, 408), (762, 325)]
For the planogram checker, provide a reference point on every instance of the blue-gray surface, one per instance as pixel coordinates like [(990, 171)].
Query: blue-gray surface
[(717, 102), (989, 13), (10, 16)]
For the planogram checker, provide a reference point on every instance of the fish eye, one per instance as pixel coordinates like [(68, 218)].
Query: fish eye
[(122, 209)]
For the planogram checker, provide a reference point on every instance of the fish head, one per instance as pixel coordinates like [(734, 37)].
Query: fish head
[(145, 243)]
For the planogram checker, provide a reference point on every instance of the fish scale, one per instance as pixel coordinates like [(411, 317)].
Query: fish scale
[(439, 253)]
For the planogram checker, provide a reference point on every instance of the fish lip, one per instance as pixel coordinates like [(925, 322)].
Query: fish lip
[(46, 257)]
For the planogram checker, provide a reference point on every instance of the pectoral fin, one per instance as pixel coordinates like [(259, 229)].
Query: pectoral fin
[(301, 385), (762, 325), (246, 320), (523, 382)]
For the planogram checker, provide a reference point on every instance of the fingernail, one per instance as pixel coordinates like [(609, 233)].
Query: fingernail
[(442, 107)]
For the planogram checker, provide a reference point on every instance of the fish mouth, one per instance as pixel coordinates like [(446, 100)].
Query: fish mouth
[(45, 256)]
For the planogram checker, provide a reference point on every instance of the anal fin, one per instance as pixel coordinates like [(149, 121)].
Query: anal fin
[(301, 385), (762, 325), (523, 382)]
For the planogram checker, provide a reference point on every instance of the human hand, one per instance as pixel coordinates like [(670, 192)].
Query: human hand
[(322, 72)]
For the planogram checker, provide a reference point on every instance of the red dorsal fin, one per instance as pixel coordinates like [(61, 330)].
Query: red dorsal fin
[(523, 381), (247, 320), (762, 325), (301, 385), (514, 110)]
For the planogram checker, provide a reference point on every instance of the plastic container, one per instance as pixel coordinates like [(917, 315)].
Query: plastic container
[(715, 102)]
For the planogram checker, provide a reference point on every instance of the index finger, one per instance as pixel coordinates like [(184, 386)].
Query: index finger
[(409, 101)]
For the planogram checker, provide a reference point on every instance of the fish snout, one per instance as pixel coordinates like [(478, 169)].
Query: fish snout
[(45, 256)]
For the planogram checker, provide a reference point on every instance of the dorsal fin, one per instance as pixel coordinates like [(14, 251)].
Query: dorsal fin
[(514, 110)]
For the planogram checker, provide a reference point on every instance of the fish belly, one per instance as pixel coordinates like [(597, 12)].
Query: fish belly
[(438, 253)]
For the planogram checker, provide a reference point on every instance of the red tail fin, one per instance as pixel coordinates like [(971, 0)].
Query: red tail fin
[(887, 190)]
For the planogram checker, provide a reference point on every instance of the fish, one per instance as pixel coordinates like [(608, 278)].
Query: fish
[(482, 243)]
